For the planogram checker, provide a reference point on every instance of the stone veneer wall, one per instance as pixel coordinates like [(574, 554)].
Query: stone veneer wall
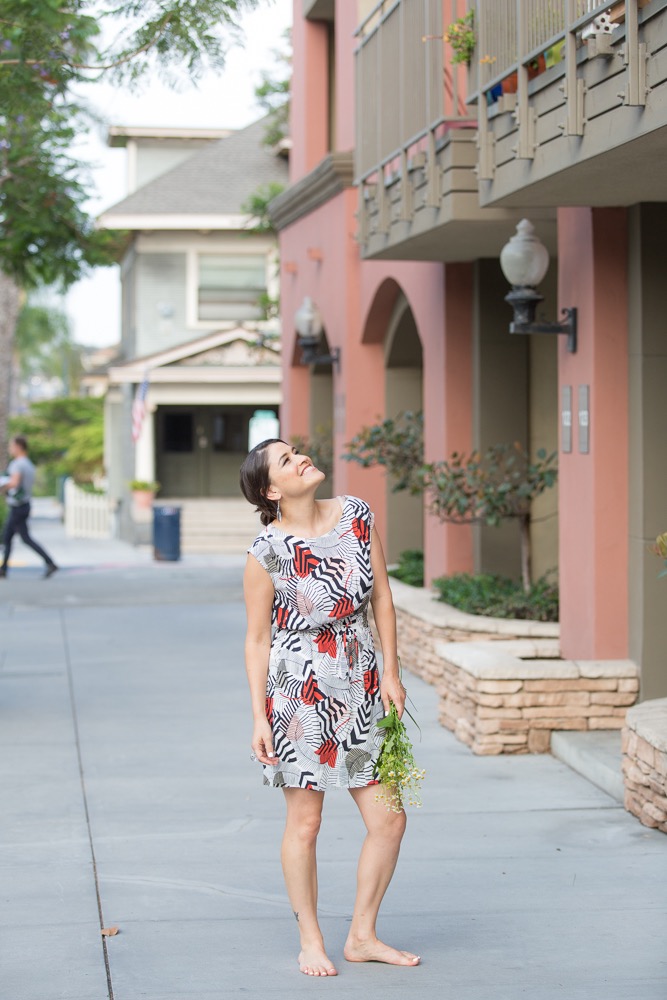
[(497, 702), (503, 687), (423, 622), (644, 744)]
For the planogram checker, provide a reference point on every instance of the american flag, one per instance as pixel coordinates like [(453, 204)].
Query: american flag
[(139, 408)]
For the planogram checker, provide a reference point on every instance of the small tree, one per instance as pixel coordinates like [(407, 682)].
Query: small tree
[(397, 444), (488, 488)]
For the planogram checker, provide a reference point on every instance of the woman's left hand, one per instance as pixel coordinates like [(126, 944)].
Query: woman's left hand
[(391, 689)]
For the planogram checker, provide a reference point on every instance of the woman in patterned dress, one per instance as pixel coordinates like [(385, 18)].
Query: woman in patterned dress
[(314, 683)]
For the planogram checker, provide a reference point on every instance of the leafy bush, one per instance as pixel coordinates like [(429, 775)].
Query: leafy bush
[(65, 438), (410, 568), (499, 597)]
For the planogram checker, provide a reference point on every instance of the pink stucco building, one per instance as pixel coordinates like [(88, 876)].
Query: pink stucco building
[(408, 174)]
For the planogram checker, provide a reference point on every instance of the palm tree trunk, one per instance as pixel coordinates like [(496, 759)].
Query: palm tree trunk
[(9, 310)]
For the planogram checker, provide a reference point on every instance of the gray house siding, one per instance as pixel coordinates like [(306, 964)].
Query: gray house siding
[(160, 306)]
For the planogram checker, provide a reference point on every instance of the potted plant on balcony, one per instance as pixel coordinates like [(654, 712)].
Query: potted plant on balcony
[(460, 34), (143, 492)]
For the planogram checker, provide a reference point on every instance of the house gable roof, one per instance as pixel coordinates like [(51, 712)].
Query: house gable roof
[(216, 181), (237, 348)]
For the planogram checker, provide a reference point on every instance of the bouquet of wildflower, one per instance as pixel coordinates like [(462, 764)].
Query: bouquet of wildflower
[(396, 770)]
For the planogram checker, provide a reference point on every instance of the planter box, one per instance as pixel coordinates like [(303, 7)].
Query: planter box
[(644, 743), (503, 686)]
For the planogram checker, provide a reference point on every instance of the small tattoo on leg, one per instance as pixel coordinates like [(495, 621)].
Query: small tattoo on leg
[(296, 916)]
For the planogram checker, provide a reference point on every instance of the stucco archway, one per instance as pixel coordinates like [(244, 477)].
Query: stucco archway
[(403, 373)]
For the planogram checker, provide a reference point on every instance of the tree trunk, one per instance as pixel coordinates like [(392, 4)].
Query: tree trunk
[(9, 309), (524, 528)]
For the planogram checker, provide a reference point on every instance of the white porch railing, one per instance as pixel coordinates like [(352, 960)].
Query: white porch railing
[(87, 515)]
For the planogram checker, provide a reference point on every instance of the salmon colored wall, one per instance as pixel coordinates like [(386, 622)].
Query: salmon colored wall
[(593, 523), (308, 94)]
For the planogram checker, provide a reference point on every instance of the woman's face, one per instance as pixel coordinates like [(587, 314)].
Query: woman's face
[(290, 473)]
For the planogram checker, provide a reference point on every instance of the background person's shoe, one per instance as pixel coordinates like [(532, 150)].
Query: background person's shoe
[(50, 570), (3, 572)]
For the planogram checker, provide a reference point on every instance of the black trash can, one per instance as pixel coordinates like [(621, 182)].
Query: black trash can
[(167, 533)]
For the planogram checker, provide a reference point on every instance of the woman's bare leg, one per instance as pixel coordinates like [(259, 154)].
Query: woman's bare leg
[(304, 815), (377, 862)]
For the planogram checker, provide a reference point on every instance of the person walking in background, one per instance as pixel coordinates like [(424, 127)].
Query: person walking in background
[(17, 483)]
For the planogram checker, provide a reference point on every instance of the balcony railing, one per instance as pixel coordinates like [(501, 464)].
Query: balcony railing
[(407, 85), (519, 40)]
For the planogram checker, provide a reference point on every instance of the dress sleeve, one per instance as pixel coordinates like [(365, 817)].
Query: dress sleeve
[(362, 519), (263, 552)]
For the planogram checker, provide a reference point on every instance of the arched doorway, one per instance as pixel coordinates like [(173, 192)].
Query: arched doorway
[(403, 392)]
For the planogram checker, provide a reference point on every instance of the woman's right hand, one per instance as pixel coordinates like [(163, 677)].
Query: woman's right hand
[(262, 743)]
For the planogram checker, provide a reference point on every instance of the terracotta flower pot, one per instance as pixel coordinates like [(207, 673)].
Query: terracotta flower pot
[(510, 83), (143, 499)]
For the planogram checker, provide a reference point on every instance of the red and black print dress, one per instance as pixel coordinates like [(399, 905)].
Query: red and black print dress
[(322, 696)]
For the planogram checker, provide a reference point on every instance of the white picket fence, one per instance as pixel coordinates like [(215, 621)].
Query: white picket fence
[(87, 515)]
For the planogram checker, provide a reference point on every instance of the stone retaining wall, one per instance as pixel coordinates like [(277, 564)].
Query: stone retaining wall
[(423, 622), (503, 687), (644, 742), (497, 702)]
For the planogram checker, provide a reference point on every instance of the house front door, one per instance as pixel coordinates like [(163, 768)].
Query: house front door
[(200, 449)]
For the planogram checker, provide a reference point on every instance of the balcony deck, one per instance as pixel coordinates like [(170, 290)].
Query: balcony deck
[(416, 149), (590, 129), (428, 207)]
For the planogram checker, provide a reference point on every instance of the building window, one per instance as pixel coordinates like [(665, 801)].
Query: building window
[(231, 287)]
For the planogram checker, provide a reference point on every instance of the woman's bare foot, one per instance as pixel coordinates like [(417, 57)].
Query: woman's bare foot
[(314, 961), (374, 950)]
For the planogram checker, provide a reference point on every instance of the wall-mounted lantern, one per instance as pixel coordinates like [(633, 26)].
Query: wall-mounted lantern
[(309, 328), (524, 261)]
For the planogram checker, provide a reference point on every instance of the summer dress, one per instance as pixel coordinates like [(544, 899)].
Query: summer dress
[(322, 698)]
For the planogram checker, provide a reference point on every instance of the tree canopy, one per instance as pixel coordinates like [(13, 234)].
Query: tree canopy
[(47, 49)]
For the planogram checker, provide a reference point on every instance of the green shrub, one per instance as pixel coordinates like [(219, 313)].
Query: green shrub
[(410, 568), (499, 597)]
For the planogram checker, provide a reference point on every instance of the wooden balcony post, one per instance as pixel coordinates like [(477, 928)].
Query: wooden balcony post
[(524, 114), (574, 85), (634, 57)]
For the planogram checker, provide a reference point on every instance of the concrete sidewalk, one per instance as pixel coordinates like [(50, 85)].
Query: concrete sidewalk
[(129, 799)]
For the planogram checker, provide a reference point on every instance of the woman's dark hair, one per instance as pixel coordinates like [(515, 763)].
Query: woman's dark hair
[(254, 480)]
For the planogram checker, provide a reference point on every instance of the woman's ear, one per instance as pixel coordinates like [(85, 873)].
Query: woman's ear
[(273, 494)]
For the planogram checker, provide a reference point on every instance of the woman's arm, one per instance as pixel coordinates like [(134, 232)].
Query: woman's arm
[(391, 688), (258, 592)]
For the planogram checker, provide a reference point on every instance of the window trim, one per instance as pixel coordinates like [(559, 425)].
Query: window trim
[(192, 283)]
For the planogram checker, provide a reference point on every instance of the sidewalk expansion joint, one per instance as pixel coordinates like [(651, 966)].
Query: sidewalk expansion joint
[(75, 723)]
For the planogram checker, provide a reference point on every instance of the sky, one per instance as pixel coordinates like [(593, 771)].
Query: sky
[(223, 100)]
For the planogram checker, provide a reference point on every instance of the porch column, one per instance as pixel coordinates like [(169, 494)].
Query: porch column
[(448, 410), (593, 477), (144, 455)]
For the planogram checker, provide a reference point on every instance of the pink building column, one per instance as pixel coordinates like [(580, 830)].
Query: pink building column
[(593, 486), (448, 406), (309, 94)]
